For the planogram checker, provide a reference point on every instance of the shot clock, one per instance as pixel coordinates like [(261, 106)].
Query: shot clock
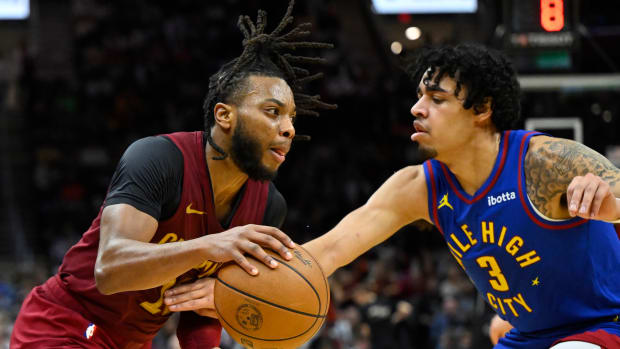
[(540, 35), (552, 15)]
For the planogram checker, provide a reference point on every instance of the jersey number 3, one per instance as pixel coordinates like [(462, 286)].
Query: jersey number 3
[(497, 281)]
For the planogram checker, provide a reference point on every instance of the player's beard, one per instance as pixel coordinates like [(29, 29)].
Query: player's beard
[(426, 153), (247, 153)]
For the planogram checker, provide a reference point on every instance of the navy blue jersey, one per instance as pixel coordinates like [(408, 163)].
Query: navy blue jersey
[(537, 273)]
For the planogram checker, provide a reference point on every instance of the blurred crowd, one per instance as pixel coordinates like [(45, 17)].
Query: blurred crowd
[(141, 68)]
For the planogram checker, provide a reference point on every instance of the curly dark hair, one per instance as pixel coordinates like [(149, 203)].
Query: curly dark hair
[(484, 72), (263, 55)]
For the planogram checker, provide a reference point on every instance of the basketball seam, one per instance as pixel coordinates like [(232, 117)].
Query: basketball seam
[(259, 338), (325, 282), (316, 293), (268, 302), (324, 279), (316, 317)]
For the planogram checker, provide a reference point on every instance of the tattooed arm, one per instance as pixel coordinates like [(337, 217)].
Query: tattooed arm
[(563, 175)]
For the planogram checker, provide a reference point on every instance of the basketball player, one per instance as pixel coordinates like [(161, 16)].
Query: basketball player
[(524, 214), (179, 205)]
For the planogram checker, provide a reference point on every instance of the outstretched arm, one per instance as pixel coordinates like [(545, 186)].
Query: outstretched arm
[(566, 179), (401, 200)]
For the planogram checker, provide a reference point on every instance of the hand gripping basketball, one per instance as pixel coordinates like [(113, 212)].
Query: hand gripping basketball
[(234, 243), (196, 296), (280, 308)]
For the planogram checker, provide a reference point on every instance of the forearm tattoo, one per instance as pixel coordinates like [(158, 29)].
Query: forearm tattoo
[(551, 166)]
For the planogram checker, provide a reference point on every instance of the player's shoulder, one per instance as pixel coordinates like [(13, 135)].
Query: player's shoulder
[(413, 174), (159, 142), (404, 192), (410, 172), (158, 147), (545, 149), (153, 155), (405, 180), (541, 141)]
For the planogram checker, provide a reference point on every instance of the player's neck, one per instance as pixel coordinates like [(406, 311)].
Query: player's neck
[(226, 180), (474, 164)]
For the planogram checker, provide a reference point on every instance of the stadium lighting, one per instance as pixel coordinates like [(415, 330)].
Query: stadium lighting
[(413, 33), (396, 47)]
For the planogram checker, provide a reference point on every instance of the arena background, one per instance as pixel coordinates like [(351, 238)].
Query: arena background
[(80, 80)]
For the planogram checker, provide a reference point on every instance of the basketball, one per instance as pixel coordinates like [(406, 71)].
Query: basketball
[(277, 309)]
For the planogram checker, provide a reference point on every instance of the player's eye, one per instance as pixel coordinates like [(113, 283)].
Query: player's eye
[(273, 111)]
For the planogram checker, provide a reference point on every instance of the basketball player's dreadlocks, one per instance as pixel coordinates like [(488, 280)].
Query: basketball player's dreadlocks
[(264, 55)]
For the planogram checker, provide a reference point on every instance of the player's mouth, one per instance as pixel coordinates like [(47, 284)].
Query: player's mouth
[(420, 130), (279, 153)]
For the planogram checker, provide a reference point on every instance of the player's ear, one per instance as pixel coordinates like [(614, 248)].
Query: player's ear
[(483, 111), (224, 115)]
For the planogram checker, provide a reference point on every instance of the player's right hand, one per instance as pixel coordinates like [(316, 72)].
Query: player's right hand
[(234, 243)]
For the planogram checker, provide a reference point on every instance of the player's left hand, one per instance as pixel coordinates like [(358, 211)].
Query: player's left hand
[(196, 296), (498, 329), (591, 197)]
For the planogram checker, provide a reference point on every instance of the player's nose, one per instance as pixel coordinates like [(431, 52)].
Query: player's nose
[(286, 127), (419, 110)]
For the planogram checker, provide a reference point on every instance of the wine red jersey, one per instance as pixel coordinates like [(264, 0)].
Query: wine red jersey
[(138, 315)]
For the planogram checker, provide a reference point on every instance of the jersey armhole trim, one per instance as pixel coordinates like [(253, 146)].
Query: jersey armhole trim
[(433, 186), (532, 215)]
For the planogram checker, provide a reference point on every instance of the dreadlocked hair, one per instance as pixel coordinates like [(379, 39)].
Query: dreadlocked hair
[(487, 75), (265, 55)]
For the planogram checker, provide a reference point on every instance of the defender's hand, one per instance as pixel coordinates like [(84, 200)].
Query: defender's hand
[(232, 244), (498, 329), (590, 197), (197, 296)]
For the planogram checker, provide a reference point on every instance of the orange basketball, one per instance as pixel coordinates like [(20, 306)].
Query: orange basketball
[(280, 308)]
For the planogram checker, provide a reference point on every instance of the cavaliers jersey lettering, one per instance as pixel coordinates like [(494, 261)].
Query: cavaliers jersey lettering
[(140, 314), (534, 272)]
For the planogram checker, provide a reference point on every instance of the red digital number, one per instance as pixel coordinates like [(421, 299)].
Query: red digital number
[(552, 15)]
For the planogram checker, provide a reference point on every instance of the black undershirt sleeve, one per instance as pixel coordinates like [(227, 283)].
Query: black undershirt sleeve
[(149, 177), (276, 209)]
